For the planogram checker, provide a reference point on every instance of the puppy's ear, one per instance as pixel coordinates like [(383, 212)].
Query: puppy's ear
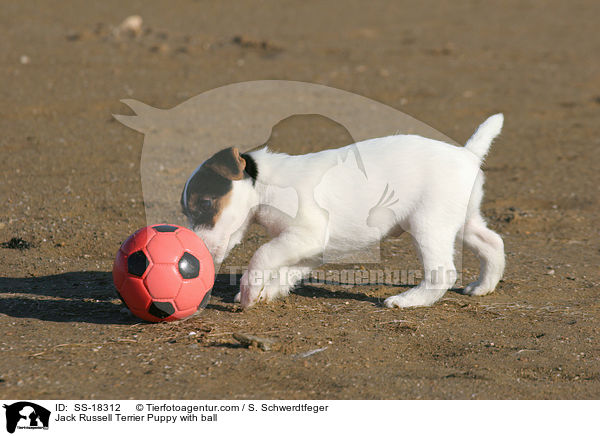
[(228, 163)]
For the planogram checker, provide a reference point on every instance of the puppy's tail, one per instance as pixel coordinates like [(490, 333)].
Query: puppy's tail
[(479, 144)]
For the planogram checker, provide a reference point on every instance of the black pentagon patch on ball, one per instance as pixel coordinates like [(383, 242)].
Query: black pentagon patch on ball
[(161, 309), (189, 266), (165, 228), (137, 263)]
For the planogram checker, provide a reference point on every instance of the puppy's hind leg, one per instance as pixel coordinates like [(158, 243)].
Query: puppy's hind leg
[(489, 248), (436, 251)]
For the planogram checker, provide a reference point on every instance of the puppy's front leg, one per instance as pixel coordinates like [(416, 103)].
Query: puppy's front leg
[(262, 281), (286, 279)]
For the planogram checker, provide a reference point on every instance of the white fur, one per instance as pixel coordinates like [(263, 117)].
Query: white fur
[(319, 206)]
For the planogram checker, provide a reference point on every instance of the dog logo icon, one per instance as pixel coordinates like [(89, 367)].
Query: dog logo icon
[(26, 415), (178, 139)]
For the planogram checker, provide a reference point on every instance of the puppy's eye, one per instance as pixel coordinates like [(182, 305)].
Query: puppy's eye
[(199, 207), (204, 204)]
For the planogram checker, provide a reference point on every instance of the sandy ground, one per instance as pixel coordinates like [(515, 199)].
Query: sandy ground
[(70, 187)]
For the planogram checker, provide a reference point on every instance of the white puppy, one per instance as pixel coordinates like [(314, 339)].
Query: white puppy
[(319, 206)]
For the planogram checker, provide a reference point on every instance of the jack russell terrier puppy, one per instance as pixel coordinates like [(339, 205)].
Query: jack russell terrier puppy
[(347, 199)]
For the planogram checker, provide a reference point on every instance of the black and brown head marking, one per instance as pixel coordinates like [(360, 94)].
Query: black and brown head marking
[(208, 191), (227, 163)]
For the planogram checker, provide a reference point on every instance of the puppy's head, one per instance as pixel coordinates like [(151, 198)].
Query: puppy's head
[(217, 200)]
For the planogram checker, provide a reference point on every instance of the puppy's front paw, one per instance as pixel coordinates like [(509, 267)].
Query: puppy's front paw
[(477, 289), (250, 290), (253, 289)]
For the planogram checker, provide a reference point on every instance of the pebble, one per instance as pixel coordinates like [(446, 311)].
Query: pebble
[(24, 59), (131, 25)]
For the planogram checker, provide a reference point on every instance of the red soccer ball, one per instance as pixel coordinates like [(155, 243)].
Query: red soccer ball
[(164, 273)]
